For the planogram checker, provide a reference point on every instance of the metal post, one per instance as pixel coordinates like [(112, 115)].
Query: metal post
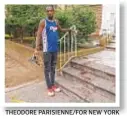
[(64, 48), (60, 53)]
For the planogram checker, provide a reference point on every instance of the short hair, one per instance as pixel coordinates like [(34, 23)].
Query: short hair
[(49, 7)]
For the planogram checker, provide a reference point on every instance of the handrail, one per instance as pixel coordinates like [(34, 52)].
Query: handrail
[(69, 41)]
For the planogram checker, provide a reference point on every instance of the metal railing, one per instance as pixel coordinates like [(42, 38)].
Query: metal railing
[(107, 33), (67, 47)]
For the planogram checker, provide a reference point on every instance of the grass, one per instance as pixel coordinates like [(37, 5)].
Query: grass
[(7, 36), (25, 38), (29, 38)]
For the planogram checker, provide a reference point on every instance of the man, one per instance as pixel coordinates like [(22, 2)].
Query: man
[(48, 36)]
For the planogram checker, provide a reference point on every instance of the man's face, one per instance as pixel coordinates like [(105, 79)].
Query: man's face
[(50, 14)]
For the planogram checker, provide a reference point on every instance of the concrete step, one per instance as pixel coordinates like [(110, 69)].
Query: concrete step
[(83, 90), (105, 87), (90, 65), (113, 41), (111, 46)]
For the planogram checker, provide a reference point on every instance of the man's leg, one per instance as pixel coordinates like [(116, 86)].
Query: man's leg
[(53, 67), (47, 68)]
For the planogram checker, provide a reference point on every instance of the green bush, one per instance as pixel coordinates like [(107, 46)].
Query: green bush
[(23, 20), (81, 16), (7, 36), (85, 20)]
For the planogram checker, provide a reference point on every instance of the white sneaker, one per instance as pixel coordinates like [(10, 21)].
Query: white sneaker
[(51, 92), (56, 89)]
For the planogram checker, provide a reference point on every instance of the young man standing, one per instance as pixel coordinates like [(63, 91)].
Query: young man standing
[(48, 36)]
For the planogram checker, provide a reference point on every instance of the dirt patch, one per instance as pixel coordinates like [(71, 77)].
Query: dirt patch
[(16, 73)]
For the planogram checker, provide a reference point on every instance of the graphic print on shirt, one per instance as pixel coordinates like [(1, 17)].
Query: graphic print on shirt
[(54, 29)]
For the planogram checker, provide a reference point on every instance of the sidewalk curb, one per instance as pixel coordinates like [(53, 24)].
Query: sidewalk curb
[(21, 86)]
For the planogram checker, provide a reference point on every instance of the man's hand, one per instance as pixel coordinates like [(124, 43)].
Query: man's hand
[(74, 31)]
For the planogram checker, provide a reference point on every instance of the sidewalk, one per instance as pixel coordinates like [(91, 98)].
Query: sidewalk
[(37, 93)]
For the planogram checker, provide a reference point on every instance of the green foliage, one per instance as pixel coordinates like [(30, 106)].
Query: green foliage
[(64, 18), (7, 36), (81, 16), (85, 20), (23, 20)]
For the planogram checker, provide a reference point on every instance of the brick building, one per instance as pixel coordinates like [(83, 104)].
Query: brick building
[(98, 11)]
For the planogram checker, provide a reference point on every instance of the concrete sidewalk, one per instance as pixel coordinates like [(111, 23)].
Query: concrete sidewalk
[(37, 93)]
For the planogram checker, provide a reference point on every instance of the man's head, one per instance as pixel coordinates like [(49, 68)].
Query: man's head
[(50, 12)]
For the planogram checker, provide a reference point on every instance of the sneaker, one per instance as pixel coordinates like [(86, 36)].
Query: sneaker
[(56, 89), (51, 92)]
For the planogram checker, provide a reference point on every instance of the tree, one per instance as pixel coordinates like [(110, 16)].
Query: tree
[(23, 17), (23, 20), (85, 20)]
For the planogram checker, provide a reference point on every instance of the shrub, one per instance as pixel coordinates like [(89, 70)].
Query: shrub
[(7, 36), (85, 20)]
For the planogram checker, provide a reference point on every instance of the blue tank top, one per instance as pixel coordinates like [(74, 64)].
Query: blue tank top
[(50, 36)]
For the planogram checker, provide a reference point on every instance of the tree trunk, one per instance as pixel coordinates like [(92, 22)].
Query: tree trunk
[(35, 33), (15, 34), (10, 35), (21, 34), (66, 7)]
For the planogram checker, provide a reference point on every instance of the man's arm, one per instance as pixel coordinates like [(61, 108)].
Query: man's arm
[(39, 34), (62, 29)]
